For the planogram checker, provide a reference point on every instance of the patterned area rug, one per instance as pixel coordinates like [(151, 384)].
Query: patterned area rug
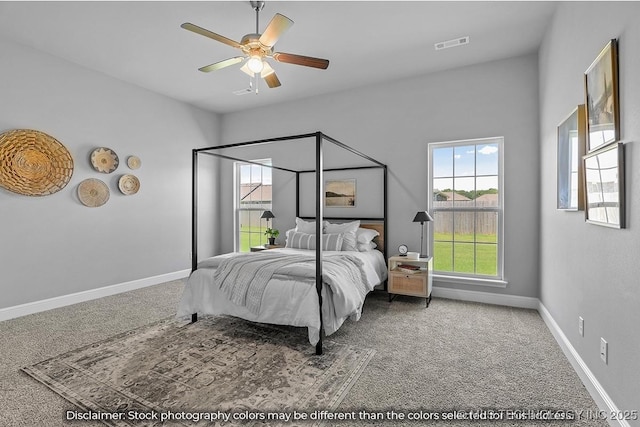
[(217, 371)]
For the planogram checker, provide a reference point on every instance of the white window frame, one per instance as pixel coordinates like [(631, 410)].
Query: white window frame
[(466, 278), (236, 200)]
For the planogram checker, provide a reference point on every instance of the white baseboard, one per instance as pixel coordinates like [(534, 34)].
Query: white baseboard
[(589, 380), (486, 297), (64, 300)]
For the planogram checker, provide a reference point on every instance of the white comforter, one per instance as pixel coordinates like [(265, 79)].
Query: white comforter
[(286, 301)]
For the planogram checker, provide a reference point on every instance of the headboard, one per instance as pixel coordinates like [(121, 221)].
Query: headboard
[(379, 227)]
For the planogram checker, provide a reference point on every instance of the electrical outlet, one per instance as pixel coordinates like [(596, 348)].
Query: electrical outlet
[(604, 350), (581, 326)]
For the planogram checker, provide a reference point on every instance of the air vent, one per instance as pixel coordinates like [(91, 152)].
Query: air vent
[(452, 43)]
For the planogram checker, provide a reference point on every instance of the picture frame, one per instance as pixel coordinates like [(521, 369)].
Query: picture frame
[(571, 148), (604, 186), (601, 98), (340, 193)]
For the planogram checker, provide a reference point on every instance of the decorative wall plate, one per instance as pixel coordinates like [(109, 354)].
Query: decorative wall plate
[(93, 192), (33, 163), (128, 184), (104, 160), (134, 162)]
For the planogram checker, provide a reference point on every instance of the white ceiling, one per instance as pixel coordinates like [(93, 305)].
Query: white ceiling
[(367, 42)]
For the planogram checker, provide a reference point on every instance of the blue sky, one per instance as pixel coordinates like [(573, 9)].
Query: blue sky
[(453, 167)]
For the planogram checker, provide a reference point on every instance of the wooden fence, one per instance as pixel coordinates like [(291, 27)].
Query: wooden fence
[(465, 222)]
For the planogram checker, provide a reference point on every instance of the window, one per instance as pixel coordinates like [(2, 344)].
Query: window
[(466, 202), (253, 196)]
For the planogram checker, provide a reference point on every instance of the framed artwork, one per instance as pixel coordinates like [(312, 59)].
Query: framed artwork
[(604, 186), (340, 193), (571, 147), (601, 89)]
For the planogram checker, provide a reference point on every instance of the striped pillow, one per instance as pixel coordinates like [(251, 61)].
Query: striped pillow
[(297, 240)]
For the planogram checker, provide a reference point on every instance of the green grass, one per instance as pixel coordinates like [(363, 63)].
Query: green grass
[(458, 253), (252, 236)]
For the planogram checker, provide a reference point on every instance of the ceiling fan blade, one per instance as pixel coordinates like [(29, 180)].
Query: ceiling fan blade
[(269, 76), (199, 30), (307, 61), (221, 64), (272, 80), (278, 25)]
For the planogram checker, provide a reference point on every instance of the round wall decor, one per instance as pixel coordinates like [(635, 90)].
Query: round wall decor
[(134, 162), (104, 160), (128, 184), (93, 192), (33, 163)]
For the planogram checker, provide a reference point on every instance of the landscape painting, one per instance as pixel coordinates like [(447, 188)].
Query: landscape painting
[(340, 193)]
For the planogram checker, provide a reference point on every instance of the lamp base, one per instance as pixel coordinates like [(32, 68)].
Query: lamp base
[(424, 256)]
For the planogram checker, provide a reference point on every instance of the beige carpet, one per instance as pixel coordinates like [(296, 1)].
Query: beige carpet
[(452, 355)]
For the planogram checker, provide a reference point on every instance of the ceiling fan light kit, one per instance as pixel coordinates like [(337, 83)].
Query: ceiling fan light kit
[(256, 48)]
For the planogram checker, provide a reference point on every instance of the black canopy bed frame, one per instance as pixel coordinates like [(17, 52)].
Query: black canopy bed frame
[(319, 170)]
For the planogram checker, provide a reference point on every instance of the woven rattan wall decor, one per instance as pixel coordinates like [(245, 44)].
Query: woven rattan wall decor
[(129, 184), (93, 192), (33, 163), (104, 160)]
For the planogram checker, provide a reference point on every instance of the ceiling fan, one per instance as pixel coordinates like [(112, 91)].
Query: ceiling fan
[(257, 47)]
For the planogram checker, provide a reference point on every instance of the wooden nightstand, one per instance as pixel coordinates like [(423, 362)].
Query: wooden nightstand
[(264, 247), (415, 284)]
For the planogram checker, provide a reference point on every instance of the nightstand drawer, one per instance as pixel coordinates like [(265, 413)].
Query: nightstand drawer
[(408, 284)]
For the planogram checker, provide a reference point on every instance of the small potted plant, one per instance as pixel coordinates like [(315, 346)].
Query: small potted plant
[(272, 233)]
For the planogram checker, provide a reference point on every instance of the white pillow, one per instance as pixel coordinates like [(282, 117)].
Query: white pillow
[(297, 240), (349, 231), (286, 235), (366, 235), (303, 226), (366, 247)]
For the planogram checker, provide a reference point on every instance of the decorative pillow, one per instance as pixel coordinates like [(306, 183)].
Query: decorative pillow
[(366, 247), (366, 235), (286, 235), (297, 240), (349, 231), (309, 227)]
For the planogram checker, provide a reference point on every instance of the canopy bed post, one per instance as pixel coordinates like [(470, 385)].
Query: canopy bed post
[(194, 218), (384, 213), (194, 210), (319, 220)]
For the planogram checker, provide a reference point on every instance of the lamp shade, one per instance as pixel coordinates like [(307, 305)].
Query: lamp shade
[(267, 215), (422, 216)]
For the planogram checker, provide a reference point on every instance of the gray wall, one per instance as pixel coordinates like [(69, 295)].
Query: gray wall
[(52, 246), (588, 270), (395, 121)]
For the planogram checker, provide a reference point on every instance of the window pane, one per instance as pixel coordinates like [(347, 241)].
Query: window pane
[(442, 188), (487, 159), (463, 257), (442, 162), (487, 259), (464, 191), (487, 227), (443, 256), (463, 225), (443, 226), (487, 191), (464, 160)]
